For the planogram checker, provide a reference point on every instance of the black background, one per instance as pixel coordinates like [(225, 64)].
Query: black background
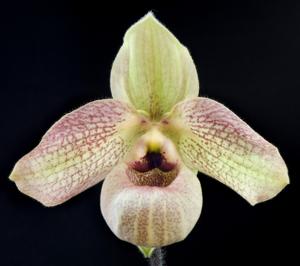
[(56, 56)]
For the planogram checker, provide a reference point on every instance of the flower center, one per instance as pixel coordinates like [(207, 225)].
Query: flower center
[(154, 161)]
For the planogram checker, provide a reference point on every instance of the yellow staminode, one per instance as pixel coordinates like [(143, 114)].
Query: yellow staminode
[(154, 140)]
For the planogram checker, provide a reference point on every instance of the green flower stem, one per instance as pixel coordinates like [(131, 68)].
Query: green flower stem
[(146, 251), (155, 256)]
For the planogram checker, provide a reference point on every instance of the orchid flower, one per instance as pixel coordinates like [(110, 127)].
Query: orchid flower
[(148, 143)]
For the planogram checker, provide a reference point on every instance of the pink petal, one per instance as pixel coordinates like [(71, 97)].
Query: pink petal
[(215, 141), (77, 152), (151, 216)]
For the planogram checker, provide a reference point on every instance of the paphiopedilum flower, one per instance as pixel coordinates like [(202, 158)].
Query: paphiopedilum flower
[(149, 142)]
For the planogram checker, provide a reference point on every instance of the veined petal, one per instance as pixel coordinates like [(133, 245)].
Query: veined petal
[(151, 216), (153, 70), (213, 140), (77, 151)]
